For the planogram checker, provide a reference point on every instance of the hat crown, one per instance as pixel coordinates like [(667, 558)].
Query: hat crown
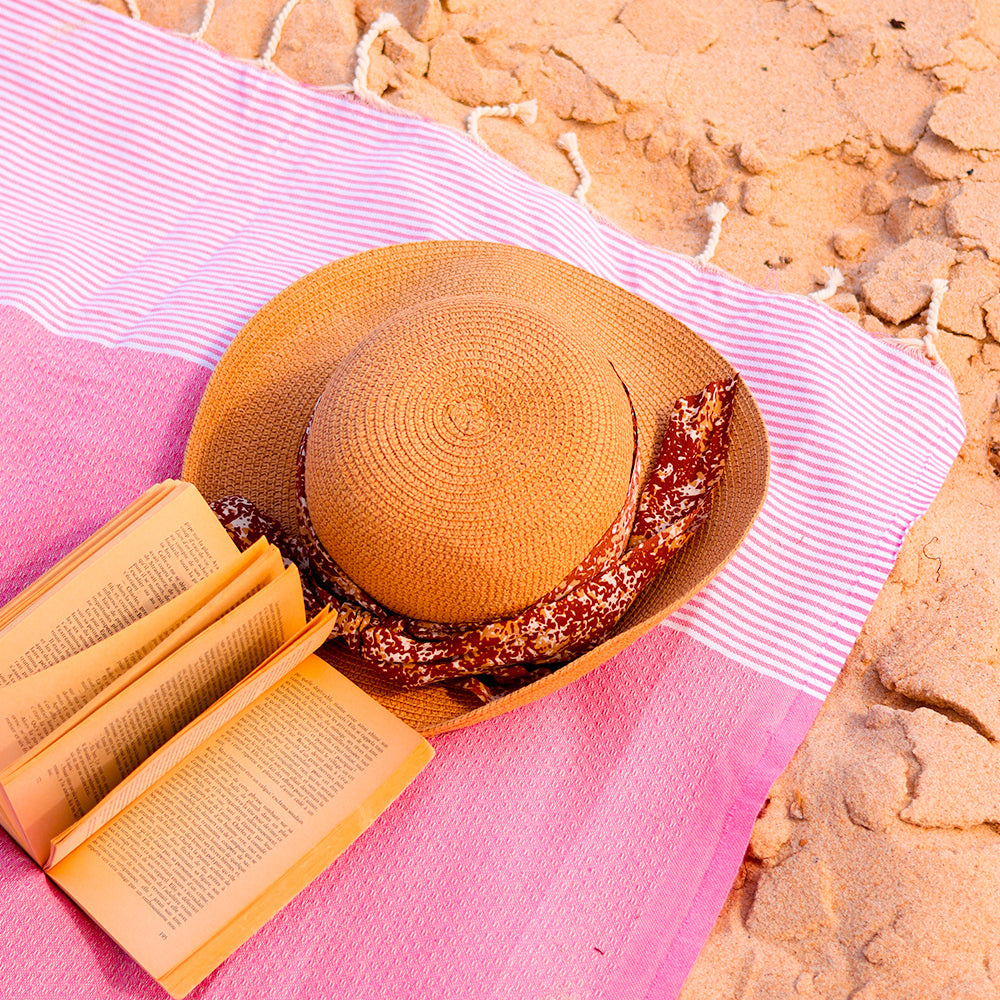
[(466, 455)]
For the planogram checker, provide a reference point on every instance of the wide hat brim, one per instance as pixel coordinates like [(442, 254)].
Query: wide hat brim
[(247, 430)]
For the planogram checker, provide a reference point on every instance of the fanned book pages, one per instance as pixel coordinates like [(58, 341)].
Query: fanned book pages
[(171, 751)]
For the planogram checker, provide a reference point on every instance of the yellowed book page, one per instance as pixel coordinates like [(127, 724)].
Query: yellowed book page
[(169, 548), (263, 568), (32, 708), (69, 562), (182, 979), (8, 824), (212, 850), (58, 786), (187, 741), (85, 550)]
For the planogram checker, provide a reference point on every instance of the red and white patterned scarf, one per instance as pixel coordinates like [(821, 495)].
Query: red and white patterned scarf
[(573, 617)]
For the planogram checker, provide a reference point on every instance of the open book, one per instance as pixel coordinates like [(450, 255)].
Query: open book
[(171, 751)]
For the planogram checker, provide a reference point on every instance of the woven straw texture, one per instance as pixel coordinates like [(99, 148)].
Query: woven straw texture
[(256, 405), (465, 456)]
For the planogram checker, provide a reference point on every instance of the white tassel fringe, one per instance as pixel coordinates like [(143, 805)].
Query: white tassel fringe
[(567, 143), (525, 112), (715, 212)]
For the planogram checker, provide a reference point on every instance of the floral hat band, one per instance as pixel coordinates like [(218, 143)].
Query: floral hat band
[(486, 657)]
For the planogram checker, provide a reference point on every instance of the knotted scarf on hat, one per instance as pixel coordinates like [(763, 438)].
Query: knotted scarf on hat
[(574, 616)]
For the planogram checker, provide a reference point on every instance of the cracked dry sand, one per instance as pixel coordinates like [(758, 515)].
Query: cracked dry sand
[(855, 133)]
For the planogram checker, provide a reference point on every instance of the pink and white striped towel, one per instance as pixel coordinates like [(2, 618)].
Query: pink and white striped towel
[(154, 195)]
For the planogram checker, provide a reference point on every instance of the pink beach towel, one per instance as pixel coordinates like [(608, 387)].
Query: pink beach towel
[(154, 195)]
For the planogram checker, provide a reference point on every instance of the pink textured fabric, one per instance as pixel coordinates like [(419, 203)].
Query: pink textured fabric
[(156, 195)]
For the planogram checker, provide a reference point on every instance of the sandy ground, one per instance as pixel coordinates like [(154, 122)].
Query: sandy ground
[(859, 134)]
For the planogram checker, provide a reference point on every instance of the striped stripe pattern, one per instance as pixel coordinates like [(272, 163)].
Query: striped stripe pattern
[(156, 194)]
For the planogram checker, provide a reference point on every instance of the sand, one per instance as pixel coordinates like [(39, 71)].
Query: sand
[(860, 134)]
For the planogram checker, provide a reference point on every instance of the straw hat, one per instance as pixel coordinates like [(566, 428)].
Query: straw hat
[(472, 438)]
